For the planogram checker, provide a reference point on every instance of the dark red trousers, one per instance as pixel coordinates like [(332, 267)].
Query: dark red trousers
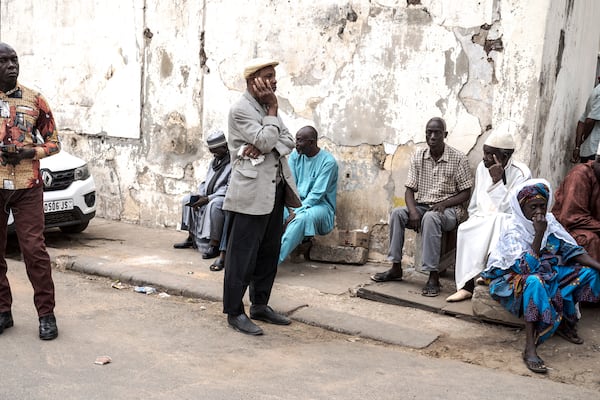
[(28, 211)]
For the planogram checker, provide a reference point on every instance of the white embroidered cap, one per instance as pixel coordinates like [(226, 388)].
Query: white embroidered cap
[(503, 136)]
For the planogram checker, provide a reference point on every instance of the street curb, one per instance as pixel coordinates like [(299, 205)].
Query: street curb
[(170, 283), (365, 327), (213, 291)]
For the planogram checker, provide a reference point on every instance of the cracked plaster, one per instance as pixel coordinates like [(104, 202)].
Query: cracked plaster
[(367, 74)]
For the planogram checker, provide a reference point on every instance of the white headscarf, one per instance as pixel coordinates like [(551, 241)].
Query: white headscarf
[(518, 232)]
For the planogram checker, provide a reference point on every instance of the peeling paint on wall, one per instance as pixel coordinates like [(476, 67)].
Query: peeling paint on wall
[(138, 102)]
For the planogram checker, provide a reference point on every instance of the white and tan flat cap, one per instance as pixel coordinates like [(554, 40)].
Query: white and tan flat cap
[(258, 63), (503, 136)]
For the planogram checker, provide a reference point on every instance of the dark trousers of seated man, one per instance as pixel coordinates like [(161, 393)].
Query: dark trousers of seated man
[(433, 224), (28, 211), (253, 247)]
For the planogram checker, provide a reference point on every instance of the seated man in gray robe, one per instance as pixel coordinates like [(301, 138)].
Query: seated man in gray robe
[(203, 216)]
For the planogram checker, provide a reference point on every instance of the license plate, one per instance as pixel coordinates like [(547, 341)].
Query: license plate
[(58, 205)]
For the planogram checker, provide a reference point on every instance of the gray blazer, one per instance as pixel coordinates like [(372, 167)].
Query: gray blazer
[(252, 187)]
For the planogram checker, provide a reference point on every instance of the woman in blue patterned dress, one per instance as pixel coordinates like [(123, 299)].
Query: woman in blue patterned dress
[(538, 272)]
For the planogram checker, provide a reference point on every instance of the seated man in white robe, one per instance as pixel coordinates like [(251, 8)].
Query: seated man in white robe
[(202, 212), (496, 175)]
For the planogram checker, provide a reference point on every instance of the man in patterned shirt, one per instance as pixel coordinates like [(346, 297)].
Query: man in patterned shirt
[(27, 133), (438, 186)]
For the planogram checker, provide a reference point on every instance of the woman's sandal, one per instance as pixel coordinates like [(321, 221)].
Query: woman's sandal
[(217, 265), (570, 335), (535, 364)]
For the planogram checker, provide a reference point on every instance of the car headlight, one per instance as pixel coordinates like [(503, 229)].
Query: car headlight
[(82, 173)]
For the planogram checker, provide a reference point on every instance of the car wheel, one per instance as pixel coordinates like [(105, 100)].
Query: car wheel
[(75, 228)]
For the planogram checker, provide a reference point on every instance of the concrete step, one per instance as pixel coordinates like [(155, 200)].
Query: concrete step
[(408, 293)]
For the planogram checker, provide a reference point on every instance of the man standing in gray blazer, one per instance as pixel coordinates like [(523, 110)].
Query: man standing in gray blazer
[(261, 183)]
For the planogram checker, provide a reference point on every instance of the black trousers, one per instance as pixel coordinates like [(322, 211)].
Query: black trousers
[(252, 253)]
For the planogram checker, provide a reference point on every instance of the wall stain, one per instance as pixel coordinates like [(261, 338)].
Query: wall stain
[(166, 65), (351, 16), (185, 74), (148, 33), (202, 54), (489, 45), (559, 52)]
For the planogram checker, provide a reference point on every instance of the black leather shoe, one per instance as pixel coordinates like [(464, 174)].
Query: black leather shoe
[(189, 243), (48, 329), (6, 320), (243, 324), (266, 313), (211, 252)]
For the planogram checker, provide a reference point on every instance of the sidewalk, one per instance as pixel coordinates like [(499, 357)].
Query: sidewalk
[(321, 294), (337, 297)]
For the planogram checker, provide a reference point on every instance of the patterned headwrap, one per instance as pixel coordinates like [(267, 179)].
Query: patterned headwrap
[(517, 233), (537, 191)]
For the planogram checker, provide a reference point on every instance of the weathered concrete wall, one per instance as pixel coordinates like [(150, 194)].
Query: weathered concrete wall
[(136, 84), (566, 79)]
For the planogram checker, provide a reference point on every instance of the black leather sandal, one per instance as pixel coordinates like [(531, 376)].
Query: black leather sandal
[(218, 265)]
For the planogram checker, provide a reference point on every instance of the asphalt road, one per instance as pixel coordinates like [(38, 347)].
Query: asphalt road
[(174, 348)]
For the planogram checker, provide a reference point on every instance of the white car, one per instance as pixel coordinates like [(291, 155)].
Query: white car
[(69, 193)]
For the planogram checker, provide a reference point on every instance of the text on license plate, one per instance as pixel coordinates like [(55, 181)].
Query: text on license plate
[(58, 205)]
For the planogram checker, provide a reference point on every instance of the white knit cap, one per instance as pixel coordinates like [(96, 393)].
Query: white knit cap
[(503, 136), (258, 63)]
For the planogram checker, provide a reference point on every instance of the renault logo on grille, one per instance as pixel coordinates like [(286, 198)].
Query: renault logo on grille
[(47, 178)]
